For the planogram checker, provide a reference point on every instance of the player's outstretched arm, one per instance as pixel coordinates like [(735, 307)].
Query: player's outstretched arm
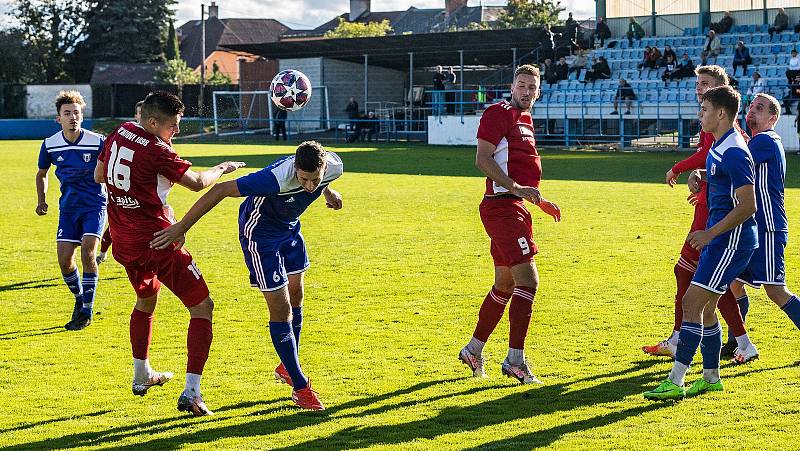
[(332, 198), (746, 208), (198, 181), (41, 192), (485, 162), (165, 238)]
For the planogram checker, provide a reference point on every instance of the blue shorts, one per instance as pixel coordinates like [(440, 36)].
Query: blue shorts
[(767, 266), (271, 261), (719, 266), (72, 227)]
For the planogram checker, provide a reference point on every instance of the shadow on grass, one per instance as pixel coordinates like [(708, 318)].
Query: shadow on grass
[(32, 333), (54, 420), (633, 167), (30, 285)]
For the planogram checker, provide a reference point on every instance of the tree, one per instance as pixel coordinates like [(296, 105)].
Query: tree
[(217, 77), (176, 72), (50, 30), (17, 55), (172, 51), (347, 29), (529, 13), (128, 31)]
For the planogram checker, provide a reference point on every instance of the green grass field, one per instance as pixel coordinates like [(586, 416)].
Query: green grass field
[(396, 280)]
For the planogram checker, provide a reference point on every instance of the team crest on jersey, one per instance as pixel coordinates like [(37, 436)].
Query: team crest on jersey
[(713, 168), (525, 131), (87, 157)]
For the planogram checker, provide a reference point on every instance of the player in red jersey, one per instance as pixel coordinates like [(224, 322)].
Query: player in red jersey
[(729, 304), (105, 242), (139, 167), (507, 155)]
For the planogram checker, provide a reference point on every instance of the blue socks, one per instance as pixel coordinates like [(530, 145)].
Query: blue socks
[(688, 340), (710, 346), (89, 287), (73, 282), (286, 347), (297, 324), (792, 310), (744, 307)]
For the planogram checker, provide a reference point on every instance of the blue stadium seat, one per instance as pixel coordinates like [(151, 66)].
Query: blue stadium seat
[(751, 29), (763, 28)]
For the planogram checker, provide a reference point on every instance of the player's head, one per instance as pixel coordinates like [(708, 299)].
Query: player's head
[(310, 164), (161, 114), (137, 113), (69, 109), (763, 113), (719, 108), (525, 89), (708, 77)]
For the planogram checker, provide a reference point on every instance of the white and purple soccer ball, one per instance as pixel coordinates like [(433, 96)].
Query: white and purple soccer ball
[(290, 90)]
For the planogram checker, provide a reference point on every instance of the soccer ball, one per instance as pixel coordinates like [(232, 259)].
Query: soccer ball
[(291, 90)]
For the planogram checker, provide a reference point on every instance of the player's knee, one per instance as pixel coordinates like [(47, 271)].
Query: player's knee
[(505, 286), (66, 263)]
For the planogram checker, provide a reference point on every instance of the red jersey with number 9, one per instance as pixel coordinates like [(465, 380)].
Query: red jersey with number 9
[(511, 130), (139, 170)]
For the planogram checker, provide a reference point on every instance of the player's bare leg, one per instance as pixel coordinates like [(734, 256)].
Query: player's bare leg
[(144, 377), (489, 316), (283, 339), (65, 251), (85, 313), (526, 282), (198, 343), (296, 294)]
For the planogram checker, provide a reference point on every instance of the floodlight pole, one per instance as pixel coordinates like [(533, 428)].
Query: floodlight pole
[(461, 88), (366, 81), (513, 59), (202, 56)]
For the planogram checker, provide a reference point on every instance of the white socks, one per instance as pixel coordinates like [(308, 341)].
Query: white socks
[(711, 376), (475, 346), (673, 339), (192, 386), (141, 370), (743, 342), (678, 373), (515, 356)]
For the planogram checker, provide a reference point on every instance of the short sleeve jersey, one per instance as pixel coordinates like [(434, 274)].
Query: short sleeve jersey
[(770, 163), (139, 170), (729, 166), (275, 198), (75, 163), (511, 130)]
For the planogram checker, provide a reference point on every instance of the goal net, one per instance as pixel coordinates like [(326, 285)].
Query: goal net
[(245, 112)]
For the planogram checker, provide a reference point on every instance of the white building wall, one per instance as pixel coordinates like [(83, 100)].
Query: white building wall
[(41, 100)]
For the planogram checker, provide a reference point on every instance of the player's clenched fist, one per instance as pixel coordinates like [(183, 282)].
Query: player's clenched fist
[(671, 178), (41, 209), (332, 199)]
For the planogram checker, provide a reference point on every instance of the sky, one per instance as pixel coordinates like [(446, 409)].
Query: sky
[(312, 13)]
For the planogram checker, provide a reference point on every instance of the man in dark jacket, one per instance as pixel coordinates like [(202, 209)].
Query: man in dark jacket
[(601, 31), (634, 31), (600, 70), (562, 69), (624, 93), (724, 25), (781, 23), (741, 57)]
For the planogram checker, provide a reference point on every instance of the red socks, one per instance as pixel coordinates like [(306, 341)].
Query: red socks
[(729, 309), (519, 316), (684, 272), (141, 332), (198, 343), (490, 313)]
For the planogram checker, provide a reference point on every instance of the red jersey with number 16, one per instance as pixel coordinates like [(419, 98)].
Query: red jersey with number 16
[(511, 130), (139, 170)]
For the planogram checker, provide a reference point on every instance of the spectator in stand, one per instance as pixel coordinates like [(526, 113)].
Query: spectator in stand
[(669, 69), (571, 27), (549, 42), (634, 31), (794, 67), (562, 70), (280, 124), (450, 90), (757, 87), (624, 93), (667, 52), (741, 57), (781, 23), (352, 111), (549, 72), (600, 70), (724, 25), (437, 96), (601, 31), (370, 127), (685, 68), (712, 47), (793, 95), (797, 27), (650, 58), (579, 62)]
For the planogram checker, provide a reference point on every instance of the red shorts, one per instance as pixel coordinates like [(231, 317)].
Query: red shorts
[(510, 228), (699, 222), (148, 268)]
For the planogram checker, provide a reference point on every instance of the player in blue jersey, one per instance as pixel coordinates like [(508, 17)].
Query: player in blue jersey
[(274, 249), (767, 266), (726, 245), (82, 206)]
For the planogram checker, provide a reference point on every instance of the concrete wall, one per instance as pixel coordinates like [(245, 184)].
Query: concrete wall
[(40, 102), (345, 79)]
